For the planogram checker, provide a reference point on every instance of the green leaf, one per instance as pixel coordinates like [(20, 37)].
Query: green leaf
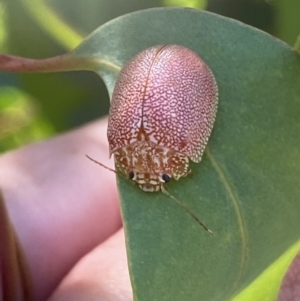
[(246, 187)]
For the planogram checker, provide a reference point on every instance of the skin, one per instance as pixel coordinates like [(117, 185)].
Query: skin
[(65, 211), (290, 287)]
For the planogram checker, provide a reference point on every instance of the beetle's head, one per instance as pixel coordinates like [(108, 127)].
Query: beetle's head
[(151, 166), (149, 182)]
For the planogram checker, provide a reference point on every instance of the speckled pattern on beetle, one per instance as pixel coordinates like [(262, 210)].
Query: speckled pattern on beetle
[(162, 113)]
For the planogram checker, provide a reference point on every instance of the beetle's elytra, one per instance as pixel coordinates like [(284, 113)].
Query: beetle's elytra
[(162, 113)]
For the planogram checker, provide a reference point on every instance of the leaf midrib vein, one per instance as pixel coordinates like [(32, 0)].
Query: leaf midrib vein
[(236, 203)]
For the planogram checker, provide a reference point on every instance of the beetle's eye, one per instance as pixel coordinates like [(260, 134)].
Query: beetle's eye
[(131, 175), (166, 178)]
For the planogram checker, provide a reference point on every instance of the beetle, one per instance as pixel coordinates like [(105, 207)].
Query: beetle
[(162, 113)]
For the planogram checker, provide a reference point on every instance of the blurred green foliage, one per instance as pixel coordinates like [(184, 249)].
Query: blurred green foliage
[(21, 120), (52, 103), (2, 27), (201, 4)]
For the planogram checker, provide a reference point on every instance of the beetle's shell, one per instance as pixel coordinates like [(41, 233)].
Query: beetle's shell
[(170, 92)]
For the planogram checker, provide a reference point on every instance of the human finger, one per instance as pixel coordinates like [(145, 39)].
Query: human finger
[(100, 275), (61, 204)]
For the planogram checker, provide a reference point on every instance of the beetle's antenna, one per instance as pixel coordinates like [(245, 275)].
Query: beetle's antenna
[(110, 169), (186, 208)]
